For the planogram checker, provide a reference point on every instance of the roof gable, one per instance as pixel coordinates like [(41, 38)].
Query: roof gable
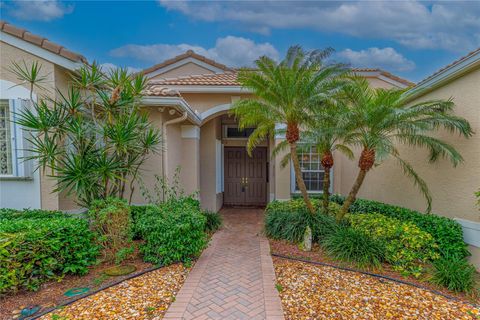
[(40, 46), (188, 57)]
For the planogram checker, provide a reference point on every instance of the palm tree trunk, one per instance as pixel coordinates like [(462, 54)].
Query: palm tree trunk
[(326, 190), (365, 163), (298, 177), (352, 195), (327, 164)]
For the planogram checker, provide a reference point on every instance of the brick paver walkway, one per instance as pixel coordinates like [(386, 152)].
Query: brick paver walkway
[(234, 277)]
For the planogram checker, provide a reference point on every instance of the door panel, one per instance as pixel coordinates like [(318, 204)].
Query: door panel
[(245, 177)]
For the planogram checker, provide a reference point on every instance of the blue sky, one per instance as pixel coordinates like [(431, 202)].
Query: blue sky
[(408, 38)]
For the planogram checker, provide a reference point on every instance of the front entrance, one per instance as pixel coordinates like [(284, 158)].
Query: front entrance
[(245, 177)]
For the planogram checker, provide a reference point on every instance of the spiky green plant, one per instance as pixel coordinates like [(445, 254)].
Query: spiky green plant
[(284, 95), (93, 138), (382, 120)]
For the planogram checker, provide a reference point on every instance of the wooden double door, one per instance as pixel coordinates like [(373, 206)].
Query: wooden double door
[(245, 177)]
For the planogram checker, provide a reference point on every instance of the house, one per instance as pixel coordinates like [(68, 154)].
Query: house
[(188, 97)]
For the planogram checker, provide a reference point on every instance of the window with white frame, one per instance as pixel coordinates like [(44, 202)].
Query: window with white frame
[(6, 165), (312, 170), (13, 141)]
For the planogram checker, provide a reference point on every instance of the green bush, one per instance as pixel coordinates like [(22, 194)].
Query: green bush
[(173, 231), (447, 233), (30, 214), (33, 251), (111, 221), (454, 273), (407, 247), (290, 225), (214, 221), (354, 246), (296, 204)]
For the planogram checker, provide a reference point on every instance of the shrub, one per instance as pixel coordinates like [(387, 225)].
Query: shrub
[(295, 204), (454, 273), (33, 251), (407, 247), (448, 234), (290, 225), (111, 221), (30, 214), (213, 221), (173, 231), (354, 246)]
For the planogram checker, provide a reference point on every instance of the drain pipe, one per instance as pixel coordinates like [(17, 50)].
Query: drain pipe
[(165, 140)]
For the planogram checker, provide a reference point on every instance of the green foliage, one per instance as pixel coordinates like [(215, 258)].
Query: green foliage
[(214, 221), (172, 231), (295, 204), (407, 247), (92, 138), (111, 221), (447, 233), (281, 222), (354, 246), (35, 250), (454, 273), (12, 214)]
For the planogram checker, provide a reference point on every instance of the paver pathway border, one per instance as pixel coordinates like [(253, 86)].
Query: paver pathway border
[(185, 302)]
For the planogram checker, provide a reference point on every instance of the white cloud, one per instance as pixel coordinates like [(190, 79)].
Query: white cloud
[(384, 58), (448, 25), (41, 10), (108, 66), (232, 51)]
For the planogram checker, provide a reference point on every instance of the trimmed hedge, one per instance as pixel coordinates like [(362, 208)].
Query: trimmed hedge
[(447, 233), (35, 250), (30, 214), (173, 231)]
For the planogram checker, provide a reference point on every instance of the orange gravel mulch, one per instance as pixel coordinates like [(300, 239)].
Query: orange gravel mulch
[(315, 292), (144, 297)]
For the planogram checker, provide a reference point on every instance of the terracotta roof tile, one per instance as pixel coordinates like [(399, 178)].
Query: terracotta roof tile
[(185, 55), (158, 91), (454, 63), (230, 79), (41, 42)]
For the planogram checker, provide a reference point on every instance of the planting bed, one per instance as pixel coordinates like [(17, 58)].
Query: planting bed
[(144, 297), (311, 291)]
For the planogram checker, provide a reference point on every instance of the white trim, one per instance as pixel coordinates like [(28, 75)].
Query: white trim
[(217, 109), (209, 89), (40, 52), (471, 231), (184, 62), (190, 132), (444, 76), (172, 102)]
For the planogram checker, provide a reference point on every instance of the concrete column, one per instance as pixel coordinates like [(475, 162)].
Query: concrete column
[(190, 162)]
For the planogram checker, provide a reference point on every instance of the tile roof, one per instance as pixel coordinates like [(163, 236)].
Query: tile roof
[(185, 55), (230, 79), (216, 79), (41, 42), (454, 63), (158, 91)]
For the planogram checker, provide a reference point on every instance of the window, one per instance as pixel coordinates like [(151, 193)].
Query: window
[(233, 132), (312, 170), (6, 163)]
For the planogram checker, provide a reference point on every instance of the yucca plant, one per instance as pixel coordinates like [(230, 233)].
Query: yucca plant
[(382, 120), (284, 95), (93, 138)]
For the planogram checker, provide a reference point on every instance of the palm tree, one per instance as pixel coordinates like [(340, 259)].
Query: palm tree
[(283, 95), (384, 120), (326, 131)]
